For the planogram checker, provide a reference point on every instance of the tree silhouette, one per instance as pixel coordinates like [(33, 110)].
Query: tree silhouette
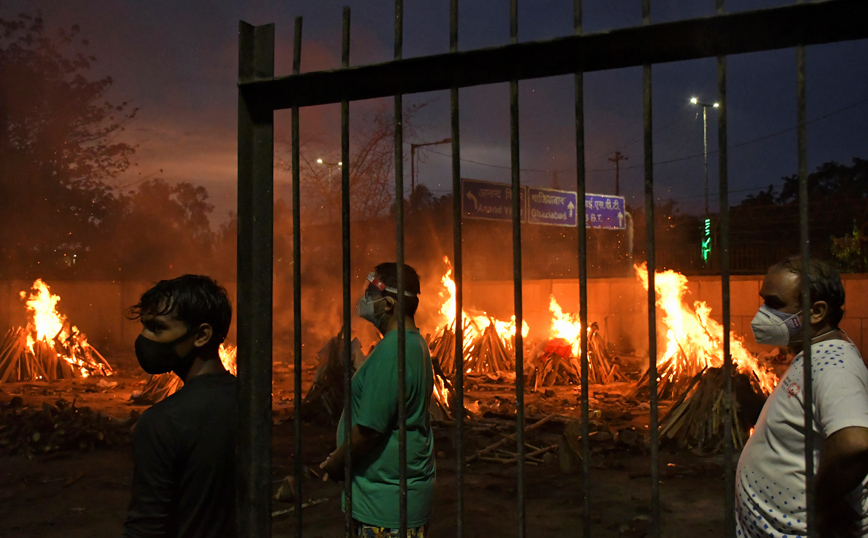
[(57, 147)]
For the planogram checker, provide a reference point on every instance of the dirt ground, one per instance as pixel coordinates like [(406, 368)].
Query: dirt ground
[(72, 494)]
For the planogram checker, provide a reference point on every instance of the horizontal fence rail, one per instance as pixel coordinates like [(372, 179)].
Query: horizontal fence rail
[(784, 27)]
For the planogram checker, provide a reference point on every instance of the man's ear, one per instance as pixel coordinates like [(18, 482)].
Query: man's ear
[(203, 334), (819, 311), (390, 306)]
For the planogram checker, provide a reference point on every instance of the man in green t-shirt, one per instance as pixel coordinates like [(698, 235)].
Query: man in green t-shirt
[(374, 442)]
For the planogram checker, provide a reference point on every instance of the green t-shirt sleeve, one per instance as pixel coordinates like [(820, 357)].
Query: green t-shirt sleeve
[(378, 404)]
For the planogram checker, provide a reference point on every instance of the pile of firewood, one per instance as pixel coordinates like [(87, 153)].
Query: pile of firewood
[(443, 396), (61, 426), (489, 354), (484, 351), (325, 399), (697, 419), (554, 363), (674, 376), (443, 346), (67, 355)]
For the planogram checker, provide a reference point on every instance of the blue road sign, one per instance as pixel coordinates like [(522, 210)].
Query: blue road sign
[(552, 207), (604, 211), (491, 201)]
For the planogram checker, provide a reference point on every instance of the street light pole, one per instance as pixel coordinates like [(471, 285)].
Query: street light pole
[(413, 161), (706, 228), (705, 107), (329, 165)]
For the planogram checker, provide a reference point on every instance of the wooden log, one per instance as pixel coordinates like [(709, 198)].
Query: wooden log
[(507, 439)]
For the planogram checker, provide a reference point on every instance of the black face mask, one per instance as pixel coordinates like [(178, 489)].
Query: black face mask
[(161, 357)]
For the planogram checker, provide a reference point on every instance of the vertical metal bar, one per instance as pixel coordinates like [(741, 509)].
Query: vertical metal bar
[(652, 293), (255, 259), (296, 283), (399, 255), (458, 275), (345, 234), (516, 268), (723, 171), (583, 279), (802, 141)]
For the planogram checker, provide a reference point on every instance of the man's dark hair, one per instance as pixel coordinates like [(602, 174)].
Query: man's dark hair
[(388, 273), (193, 299), (824, 281)]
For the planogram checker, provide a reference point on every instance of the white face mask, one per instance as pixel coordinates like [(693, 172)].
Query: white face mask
[(366, 311), (774, 327)]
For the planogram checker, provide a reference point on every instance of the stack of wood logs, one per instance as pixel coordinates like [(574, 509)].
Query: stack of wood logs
[(554, 363), (484, 350), (489, 354), (496, 452), (674, 376), (443, 397), (61, 357), (325, 399), (698, 418), (443, 345)]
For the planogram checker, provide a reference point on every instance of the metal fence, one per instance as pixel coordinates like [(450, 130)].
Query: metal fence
[(261, 93)]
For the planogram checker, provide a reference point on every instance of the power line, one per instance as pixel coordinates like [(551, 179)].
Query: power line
[(669, 161)]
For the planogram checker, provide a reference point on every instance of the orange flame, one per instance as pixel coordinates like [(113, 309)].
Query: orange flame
[(566, 326), (228, 353), (693, 336), (47, 326), (478, 323)]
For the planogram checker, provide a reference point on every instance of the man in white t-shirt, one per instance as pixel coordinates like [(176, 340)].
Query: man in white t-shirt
[(770, 481)]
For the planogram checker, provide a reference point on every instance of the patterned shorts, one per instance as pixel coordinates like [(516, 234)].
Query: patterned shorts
[(371, 531)]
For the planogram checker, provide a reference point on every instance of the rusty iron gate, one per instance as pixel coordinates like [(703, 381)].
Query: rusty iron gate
[(261, 93)]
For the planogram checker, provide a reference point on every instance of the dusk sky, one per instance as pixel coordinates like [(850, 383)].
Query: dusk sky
[(178, 62)]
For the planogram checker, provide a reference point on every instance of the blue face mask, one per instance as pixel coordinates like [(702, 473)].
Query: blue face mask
[(774, 327)]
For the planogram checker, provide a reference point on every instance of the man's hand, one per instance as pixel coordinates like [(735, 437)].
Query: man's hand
[(843, 466), (837, 520), (334, 469)]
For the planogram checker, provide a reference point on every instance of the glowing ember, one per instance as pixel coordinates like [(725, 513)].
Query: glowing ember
[(694, 341), (227, 357)]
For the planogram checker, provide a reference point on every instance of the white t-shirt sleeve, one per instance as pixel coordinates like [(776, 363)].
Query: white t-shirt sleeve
[(840, 391)]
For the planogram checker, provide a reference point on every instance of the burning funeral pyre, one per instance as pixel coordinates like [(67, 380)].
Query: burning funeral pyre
[(160, 386), (49, 347), (690, 368), (694, 341), (559, 358), (489, 343)]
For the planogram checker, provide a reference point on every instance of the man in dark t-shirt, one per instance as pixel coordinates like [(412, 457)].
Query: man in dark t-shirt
[(184, 447)]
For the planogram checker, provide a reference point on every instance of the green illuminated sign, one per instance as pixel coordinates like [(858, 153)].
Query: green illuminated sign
[(706, 240)]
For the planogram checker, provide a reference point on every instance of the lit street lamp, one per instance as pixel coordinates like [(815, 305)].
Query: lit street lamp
[(330, 166), (706, 230), (705, 107)]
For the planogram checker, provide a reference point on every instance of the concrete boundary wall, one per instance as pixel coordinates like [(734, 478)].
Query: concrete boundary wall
[(98, 308), (618, 305)]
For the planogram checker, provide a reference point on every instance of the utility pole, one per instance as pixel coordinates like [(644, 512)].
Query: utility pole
[(617, 160), (413, 161)]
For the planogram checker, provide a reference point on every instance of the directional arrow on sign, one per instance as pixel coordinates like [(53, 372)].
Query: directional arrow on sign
[(571, 207), (474, 200)]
